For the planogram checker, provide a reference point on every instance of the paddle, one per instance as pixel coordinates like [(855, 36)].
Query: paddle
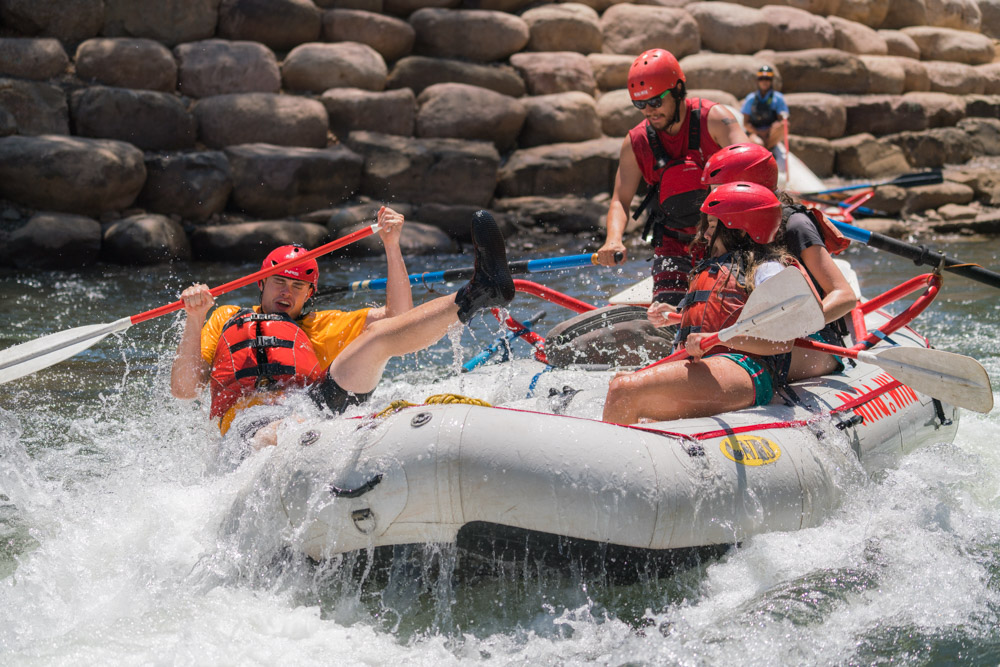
[(784, 307), (903, 180), (919, 254), (450, 275), (32, 356), (950, 377), (485, 355)]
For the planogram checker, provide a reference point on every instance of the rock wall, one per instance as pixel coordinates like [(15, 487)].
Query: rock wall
[(141, 131)]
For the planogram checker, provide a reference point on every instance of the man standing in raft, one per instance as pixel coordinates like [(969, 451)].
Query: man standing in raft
[(668, 150), (247, 354)]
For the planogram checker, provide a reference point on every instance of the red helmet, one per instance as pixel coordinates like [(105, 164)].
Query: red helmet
[(307, 271), (747, 206), (742, 162), (653, 73)]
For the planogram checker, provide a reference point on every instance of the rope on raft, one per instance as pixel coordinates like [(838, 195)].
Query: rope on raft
[(436, 399)]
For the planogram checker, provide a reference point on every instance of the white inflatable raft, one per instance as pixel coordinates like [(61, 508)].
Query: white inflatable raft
[(421, 474)]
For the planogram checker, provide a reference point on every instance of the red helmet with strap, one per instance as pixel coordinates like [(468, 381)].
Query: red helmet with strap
[(742, 162), (653, 73), (307, 271), (747, 206)]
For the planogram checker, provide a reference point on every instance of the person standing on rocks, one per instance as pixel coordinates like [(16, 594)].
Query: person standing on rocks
[(765, 111), (249, 356), (667, 150)]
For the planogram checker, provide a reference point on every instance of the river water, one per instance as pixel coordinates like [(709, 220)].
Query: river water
[(112, 549)]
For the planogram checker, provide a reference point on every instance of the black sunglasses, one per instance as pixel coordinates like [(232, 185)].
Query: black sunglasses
[(652, 103)]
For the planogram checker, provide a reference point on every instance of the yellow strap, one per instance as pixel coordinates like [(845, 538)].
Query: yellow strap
[(436, 399)]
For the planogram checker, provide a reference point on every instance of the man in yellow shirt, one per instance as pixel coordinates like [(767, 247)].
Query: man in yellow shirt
[(340, 356)]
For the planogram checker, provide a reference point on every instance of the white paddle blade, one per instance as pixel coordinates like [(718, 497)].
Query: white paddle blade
[(34, 355), (640, 294), (782, 308), (946, 376)]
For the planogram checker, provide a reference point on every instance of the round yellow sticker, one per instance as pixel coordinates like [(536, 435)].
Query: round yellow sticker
[(750, 450)]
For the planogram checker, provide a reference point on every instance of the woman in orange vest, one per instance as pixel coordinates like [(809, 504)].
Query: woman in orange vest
[(736, 231), (810, 238)]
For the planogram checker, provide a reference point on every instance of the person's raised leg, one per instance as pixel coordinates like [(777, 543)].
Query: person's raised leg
[(359, 367), (679, 390)]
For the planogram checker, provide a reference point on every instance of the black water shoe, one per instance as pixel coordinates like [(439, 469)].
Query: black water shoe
[(491, 285)]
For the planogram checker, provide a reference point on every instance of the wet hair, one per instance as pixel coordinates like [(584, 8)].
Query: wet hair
[(747, 253)]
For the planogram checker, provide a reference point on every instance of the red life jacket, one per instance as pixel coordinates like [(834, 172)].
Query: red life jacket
[(257, 351), (713, 302), (671, 165)]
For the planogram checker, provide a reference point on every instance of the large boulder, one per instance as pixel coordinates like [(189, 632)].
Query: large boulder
[(948, 44), (555, 72), (170, 21), (817, 154), (461, 111), (251, 241), (352, 109), (569, 26), (279, 24), (284, 120), (936, 147), (278, 181), (886, 74), (558, 118), (583, 168), (820, 70), (192, 186), (857, 38), (220, 67), (863, 156), (391, 37), (954, 78), (730, 28), (319, 67), (145, 239), (450, 171), (407, 7), (903, 13), (610, 69), (990, 12), (37, 59), (69, 21), (632, 29), (870, 13), (419, 72), (883, 114), (617, 113), (34, 107), (735, 73), (559, 215), (70, 174), (900, 44), (941, 109), (958, 14), (53, 241), (792, 29), (148, 119), (127, 63), (485, 35), (816, 115)]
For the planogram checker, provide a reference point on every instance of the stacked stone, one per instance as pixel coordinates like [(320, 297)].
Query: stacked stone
[(140, 131)]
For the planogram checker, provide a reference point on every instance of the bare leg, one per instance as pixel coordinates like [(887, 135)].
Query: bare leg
[(774, 135), (810, 364), (678, 390), (359, 367)]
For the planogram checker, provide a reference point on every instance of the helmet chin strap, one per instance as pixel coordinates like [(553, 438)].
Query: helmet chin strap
[(678, 93)]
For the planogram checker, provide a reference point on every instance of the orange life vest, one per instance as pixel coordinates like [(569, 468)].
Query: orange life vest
[(713, 301), (258, 351), (833, 238)]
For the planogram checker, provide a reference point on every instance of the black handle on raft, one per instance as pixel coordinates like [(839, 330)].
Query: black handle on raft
[(921, 255)]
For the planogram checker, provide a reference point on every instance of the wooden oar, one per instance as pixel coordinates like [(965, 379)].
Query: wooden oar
[(32, 356), (919, 254), (450, 275), (950, 377), (784, 307), (903, 180)]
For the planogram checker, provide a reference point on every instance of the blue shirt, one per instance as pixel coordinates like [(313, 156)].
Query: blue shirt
[(772, 101)]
